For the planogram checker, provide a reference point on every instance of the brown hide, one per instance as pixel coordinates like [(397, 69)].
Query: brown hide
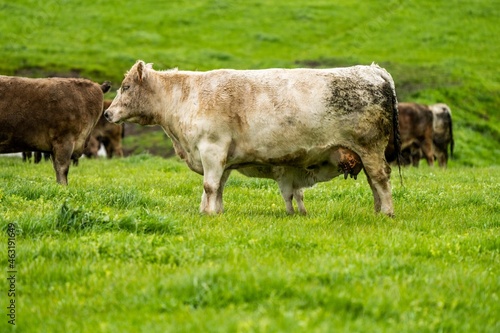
[(442, 137), (415, 129), (52, 115), (108, 134)]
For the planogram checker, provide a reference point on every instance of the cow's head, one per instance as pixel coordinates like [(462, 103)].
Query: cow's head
[(133, 102)]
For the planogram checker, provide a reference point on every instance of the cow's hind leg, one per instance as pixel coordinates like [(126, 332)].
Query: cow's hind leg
[(61, 161), (26, 156), (378, 174), (298, 194), (38, 157), (287, 193), (428, 151), (376, 196), (442, 157)]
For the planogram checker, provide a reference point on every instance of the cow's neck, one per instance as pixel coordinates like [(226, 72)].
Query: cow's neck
[(173, 105)]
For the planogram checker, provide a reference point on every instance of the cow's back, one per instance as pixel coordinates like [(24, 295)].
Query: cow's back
[(34, 112), (295, 116)]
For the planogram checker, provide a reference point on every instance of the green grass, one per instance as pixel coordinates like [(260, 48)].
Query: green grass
[(124, 249)]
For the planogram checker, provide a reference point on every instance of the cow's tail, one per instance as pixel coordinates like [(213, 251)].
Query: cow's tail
[(452, 144), (395, 131), (395, 119)]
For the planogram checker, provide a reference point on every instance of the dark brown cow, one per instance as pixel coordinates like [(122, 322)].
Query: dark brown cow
[(108, 134), (52, 115), (442, 137), (415, 128)]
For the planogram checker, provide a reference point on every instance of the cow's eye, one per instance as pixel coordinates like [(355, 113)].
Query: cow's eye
[(124, 88)]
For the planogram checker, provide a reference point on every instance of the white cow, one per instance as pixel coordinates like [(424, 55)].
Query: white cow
[(230, 119)]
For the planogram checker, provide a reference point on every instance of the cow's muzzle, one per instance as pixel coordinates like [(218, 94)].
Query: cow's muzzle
[(108, 115)]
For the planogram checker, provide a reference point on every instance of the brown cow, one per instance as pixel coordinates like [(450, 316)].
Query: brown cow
[(108, 134), (51, 115), (415, 128), (442, 137)]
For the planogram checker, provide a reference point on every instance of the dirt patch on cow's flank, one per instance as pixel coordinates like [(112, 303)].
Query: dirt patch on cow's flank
[(409, 79)]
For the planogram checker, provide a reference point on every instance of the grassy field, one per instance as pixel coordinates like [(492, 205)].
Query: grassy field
[(123, 247)]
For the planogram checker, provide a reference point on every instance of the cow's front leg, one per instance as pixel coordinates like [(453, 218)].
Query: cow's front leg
[(219, 202), (211, 200), (214, 178)]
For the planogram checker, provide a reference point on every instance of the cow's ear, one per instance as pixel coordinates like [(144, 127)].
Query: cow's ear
[(141, 70)]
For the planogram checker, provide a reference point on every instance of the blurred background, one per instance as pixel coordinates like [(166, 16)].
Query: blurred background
[(437, 51)]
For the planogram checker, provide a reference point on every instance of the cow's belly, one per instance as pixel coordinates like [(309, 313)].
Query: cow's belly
[(297, 157), (10, 143), (300, 143)]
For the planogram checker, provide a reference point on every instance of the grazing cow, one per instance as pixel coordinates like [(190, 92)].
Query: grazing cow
[(292, 180), (108, 134), (415, 128), (442, 136), (230, 119), (52, 115)]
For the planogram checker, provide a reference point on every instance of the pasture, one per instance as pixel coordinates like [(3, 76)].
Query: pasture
[(123, 247)]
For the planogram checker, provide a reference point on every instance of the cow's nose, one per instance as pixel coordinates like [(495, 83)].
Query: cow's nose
[(107, 115)]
